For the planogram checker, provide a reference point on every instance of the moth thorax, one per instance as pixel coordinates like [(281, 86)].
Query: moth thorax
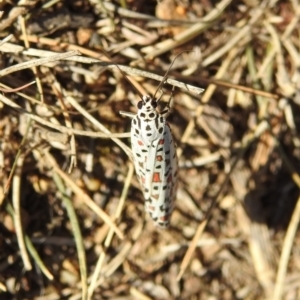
[(146, 108)]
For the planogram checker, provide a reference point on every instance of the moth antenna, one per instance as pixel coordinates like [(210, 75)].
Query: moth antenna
[(167, 73), (123, 73)]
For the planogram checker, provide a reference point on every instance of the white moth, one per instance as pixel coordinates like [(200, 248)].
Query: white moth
[(154, 157), (155, 160)]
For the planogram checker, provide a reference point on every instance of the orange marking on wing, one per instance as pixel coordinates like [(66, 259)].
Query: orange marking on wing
[(140, 143), (156, 177), (165, 218), (161, 142)]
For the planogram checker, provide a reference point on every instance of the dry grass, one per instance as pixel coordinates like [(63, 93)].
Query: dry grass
[(72, 215)]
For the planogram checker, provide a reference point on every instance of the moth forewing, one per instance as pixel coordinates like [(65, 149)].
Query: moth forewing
[(164, 182), (150, 176)]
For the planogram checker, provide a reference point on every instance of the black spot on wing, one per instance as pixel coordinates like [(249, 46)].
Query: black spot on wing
[(161, 208), (168, 172)]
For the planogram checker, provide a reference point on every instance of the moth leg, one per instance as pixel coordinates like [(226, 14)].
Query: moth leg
[(161, 94), (126, 113)]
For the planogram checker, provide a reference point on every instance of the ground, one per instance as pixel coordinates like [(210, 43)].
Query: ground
[(72, 219)]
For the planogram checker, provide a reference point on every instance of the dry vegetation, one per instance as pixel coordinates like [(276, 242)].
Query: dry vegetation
[(72, 215)]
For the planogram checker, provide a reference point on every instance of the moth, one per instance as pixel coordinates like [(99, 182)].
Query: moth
[(154, 157), (155, 160)]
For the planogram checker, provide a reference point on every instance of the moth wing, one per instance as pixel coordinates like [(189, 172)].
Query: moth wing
[(149, 168), (144, 157), (164, 180), (139, 152)]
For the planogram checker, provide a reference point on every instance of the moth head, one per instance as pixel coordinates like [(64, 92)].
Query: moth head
[(147, 103)]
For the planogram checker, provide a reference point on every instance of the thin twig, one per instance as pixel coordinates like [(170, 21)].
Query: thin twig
[(37, 62), (16, 197)]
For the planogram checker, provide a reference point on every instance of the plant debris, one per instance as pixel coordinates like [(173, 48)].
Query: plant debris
[(72, 215)]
